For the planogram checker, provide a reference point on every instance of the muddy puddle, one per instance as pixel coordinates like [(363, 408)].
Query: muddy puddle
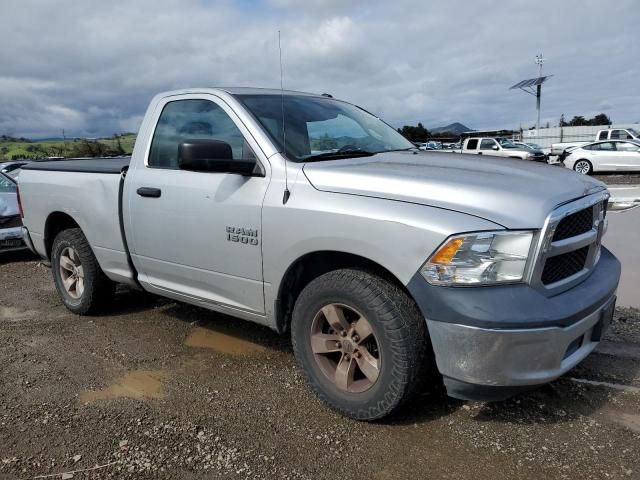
[(221, 342), (624, 419), (15, 314), (139, 385)]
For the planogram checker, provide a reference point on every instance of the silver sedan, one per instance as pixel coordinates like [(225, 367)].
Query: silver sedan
[(612, 155)]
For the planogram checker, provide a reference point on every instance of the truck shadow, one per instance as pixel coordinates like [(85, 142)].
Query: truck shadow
[(562, 401), (225, 327), (17, 256)]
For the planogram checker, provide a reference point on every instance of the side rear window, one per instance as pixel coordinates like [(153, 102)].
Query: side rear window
[(604, 147), (183, 120), (620, 135), (472, 144), (602, 135)]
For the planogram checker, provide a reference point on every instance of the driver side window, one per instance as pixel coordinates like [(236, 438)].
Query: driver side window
[(183, 120), (487, 144)]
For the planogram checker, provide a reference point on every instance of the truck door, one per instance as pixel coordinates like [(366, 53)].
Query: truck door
[(489, 146), (198, 234)]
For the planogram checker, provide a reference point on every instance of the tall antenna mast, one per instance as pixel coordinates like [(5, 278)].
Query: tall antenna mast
[(287, 193)]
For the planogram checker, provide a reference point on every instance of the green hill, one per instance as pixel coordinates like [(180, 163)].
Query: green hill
[(17, 148)]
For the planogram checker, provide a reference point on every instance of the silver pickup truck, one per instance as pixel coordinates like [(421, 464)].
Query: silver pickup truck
[(314, 217)]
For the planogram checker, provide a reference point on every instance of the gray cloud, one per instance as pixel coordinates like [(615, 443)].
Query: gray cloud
[(91, 67)]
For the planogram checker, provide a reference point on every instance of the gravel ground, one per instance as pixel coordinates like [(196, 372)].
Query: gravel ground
[(156, 389)]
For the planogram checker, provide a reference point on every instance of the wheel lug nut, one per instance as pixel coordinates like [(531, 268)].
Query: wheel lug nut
[(343, 333), (356, 338), (338, 345), (347, 357)]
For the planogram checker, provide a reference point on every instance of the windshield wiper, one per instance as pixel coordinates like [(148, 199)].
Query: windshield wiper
[(336, 155)]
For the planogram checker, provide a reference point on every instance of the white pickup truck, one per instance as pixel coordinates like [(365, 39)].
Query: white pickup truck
[(557, 149), (501, 147), (312, 216)]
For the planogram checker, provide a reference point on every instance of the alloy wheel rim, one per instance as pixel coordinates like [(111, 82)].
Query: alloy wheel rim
[(582, 167), (71, 273), (345, 348)]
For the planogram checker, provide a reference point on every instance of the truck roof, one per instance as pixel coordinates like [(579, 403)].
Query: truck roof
[(240, 91)]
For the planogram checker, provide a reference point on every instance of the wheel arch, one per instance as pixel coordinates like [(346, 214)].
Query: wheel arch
[(310, 266), (56, 222)]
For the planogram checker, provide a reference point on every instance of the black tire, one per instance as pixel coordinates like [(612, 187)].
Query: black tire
[(399, 329), (583, 161), (97, 291)]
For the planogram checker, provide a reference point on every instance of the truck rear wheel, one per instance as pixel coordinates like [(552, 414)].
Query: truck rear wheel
[(360, 341), (82, 285)]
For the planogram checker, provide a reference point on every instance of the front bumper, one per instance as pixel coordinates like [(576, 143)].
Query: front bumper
[(492, 342), (471, 357)]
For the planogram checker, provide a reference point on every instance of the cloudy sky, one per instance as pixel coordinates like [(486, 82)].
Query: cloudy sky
[(90, 67)]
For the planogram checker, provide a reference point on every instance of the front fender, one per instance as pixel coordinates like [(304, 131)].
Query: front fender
[(398, 236)]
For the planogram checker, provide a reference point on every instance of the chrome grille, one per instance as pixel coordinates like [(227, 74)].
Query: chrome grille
[(574, 224), (564, 265), (569, 244)]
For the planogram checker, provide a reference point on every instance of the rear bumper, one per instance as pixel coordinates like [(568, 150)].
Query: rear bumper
[(11, 239), (489, 343)]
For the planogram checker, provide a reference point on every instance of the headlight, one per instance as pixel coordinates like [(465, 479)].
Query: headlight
[(483, 258)]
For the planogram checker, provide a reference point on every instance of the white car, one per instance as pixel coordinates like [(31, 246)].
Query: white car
[(10, 221), (612, 155)]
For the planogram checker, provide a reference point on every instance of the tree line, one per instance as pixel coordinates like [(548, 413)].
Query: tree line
[(581, 121)]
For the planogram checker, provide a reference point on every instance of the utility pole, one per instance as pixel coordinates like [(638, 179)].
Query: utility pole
[(528, 84), (539, 62)]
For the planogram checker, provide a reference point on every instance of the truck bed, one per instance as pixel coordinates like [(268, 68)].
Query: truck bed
[(113, 165), (88, 192)]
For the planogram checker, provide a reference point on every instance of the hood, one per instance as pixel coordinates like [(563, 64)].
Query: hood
[(512, 193)]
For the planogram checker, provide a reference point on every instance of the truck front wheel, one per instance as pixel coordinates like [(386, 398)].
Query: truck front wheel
[(82, 285), (360, 341)]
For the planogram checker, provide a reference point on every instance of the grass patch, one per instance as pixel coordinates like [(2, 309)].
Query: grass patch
[(19, 148)]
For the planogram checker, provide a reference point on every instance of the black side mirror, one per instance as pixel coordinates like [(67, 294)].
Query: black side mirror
[(213, 156)]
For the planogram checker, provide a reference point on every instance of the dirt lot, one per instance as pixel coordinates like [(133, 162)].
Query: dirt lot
[(155, 389)]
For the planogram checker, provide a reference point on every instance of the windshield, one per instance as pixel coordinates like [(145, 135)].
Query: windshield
[(322, 128), (634, 132), (504, 143)]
